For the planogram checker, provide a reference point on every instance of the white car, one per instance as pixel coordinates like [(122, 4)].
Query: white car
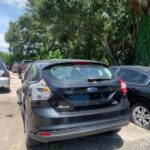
[(4, 76)]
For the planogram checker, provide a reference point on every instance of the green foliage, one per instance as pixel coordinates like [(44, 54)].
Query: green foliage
[(73, 29), (5, 57), (143, 42), (51, 55), (14, 38)]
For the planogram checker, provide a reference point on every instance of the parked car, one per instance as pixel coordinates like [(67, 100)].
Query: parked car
[(15, 67), (24, 72), (23, 65), (138, 83), (4, 76), (64, 99)]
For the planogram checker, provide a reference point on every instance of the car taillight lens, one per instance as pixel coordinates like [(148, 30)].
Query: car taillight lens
[(6, 74), (124, 89), (24, 66), (44, 133), (40, 91)]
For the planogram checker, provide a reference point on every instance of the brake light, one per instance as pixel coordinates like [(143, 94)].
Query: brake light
[(124, 89), (81, 62), (24, 66), (6, 74), (40, 91), (44, 133)]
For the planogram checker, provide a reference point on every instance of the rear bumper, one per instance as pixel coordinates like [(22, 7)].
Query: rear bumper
[(72, 125), (4, 82), (81, 131)]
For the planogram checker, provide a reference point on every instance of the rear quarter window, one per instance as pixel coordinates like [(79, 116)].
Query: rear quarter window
[(132, 76)]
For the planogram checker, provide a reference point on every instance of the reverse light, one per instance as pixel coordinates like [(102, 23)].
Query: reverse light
[(44, 133), (40, 91), (124, 89), (44, 90)]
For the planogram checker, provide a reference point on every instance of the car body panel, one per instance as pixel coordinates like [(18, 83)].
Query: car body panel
[(137, 92), (81, 131), (15, 67), (59, 115), (4, 81)]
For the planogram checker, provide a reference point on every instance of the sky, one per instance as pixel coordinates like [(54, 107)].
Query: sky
[(10, 10)]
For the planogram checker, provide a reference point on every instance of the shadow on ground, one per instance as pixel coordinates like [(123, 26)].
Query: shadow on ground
[(4, 91), (105, 141)]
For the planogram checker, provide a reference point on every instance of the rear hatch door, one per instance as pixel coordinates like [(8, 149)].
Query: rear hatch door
[(82, 86)]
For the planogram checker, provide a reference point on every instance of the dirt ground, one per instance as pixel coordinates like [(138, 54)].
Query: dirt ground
[(12, 135)]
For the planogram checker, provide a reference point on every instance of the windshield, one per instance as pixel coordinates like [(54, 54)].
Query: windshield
[(78, 73)]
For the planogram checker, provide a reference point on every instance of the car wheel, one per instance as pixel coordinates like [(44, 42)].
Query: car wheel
[(140, 115), (29, 142)]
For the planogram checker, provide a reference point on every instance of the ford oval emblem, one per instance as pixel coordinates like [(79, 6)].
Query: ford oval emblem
[(92, 89)]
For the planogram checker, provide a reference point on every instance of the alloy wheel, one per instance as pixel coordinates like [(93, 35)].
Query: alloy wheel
[(141, 116)]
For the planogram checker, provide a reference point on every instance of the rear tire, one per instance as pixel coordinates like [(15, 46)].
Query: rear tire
[(29, 142), (140, 115)]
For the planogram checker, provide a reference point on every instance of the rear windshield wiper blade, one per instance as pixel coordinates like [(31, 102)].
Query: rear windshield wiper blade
[(99, 79)]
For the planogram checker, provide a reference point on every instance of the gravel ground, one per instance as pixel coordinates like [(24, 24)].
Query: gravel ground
[(12, 136)]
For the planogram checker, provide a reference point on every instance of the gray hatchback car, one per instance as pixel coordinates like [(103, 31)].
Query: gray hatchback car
[(64, 99)]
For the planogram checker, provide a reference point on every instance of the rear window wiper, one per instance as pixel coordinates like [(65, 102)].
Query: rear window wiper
[(98, 79)]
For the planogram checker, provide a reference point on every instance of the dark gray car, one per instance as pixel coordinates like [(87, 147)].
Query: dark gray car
[(138, 83), (64, 99)]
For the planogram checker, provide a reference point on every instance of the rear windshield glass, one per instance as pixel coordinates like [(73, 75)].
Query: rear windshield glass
[(78, 73), (2, 67)]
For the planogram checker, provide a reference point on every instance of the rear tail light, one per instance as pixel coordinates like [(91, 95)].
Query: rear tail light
[(44, 133), (40, 91), (6, 74), (124, 89), (23, 66)]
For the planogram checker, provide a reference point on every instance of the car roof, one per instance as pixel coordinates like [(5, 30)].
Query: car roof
[(45, 63), (137, 68)]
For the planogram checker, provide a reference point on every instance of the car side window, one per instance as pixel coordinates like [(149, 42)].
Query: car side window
[(32, 74), (132, 76)]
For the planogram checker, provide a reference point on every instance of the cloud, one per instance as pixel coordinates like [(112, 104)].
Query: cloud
[(3, 45), (4, 23), (16, 3)]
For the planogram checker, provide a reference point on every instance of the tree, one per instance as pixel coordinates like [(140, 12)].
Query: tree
[(15, 40), (141, 13), (5, 57), (81, 27), (85, 29)]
